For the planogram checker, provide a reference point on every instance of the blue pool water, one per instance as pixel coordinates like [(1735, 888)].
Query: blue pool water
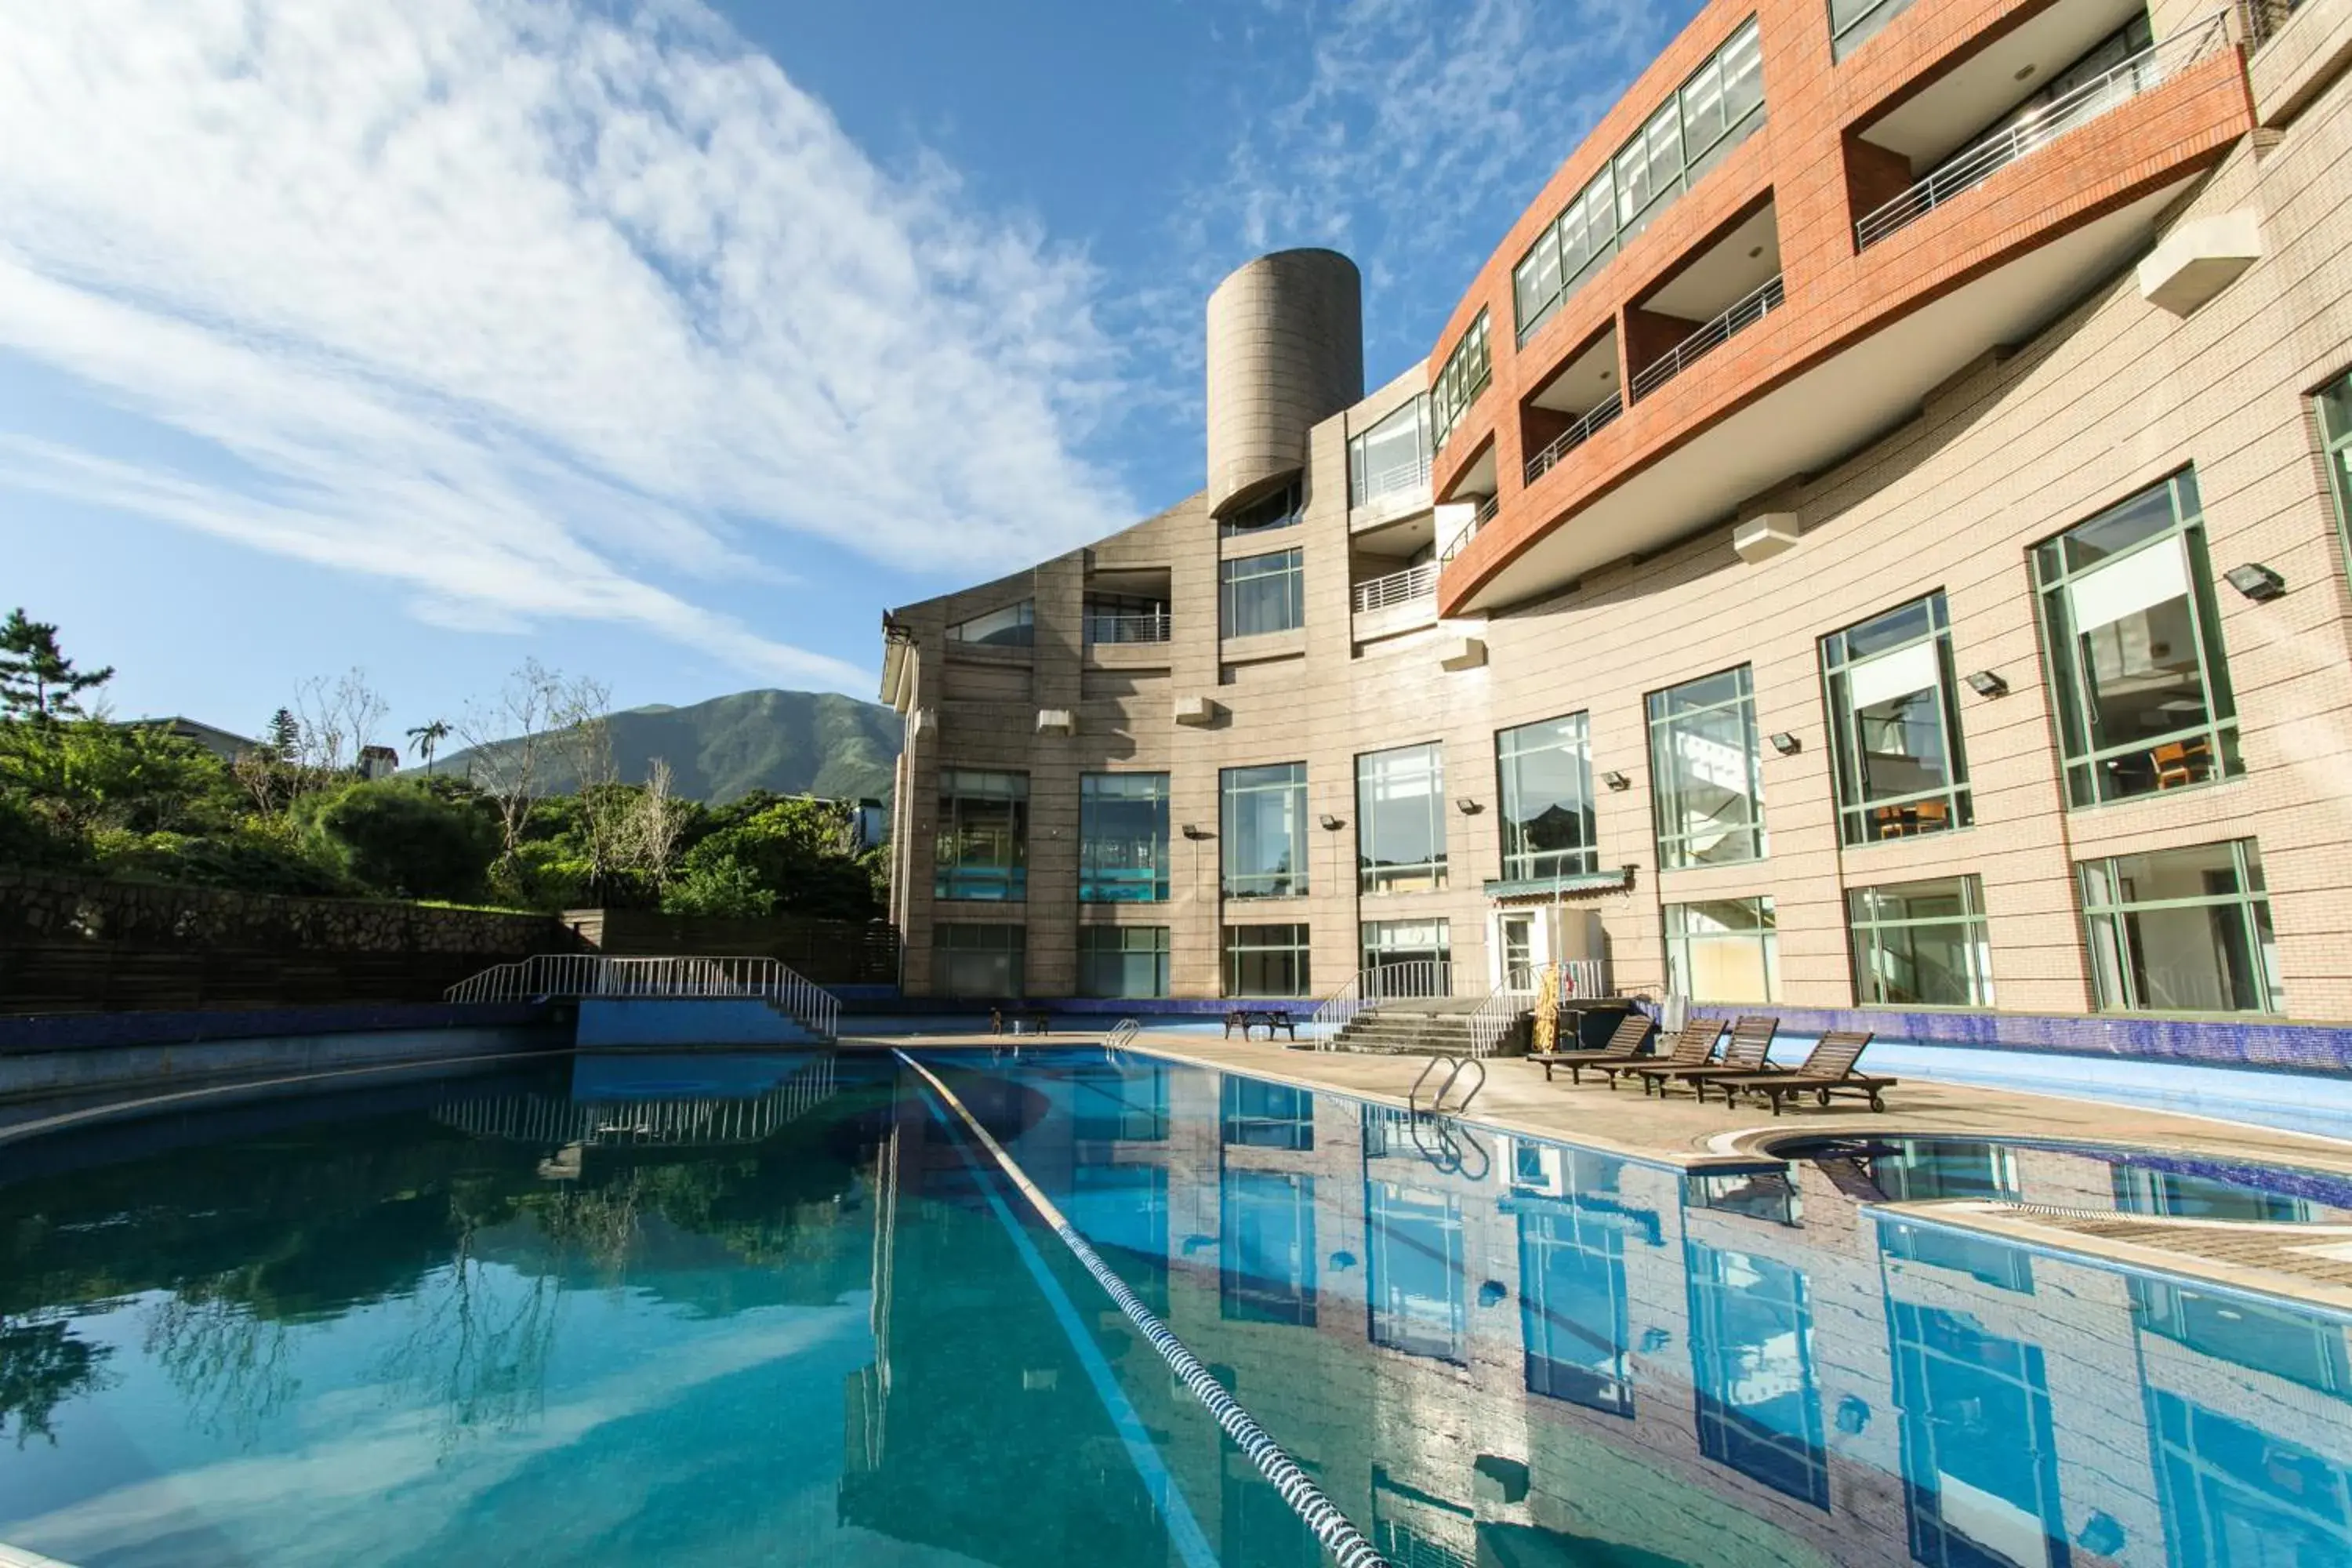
[(787, 1310)]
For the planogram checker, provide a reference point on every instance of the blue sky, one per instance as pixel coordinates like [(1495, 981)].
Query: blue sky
[(669, 343)]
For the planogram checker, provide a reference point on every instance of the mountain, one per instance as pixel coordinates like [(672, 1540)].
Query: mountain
[(794, 742)]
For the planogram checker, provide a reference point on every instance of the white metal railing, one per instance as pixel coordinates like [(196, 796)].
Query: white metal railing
[(1122, 1035), (1469, 530), (1522, 988), (579, 974), (1414, 979), (1575, 436), (554, 1124), (1389, 481), (2144, 72), (1128, 629), (1743, 314), (1397, 588)]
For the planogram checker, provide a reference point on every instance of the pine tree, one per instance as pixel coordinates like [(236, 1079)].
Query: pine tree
[(37, 681), (285, 736)]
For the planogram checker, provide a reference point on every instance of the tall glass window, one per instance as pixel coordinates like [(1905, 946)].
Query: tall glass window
[(1895, 725), (977, 961), (1283, 509), (1458, 384), (1267, 1253), (1265, 826), (982, 850), (2335, 433), (1725, 950), (1400, 820), (1546, 773), (1751, 1347), (2134, 648), (1979, 1448), (1122, 961), (1123, 838), (1417, 1281), (1573, 1317), (1706, 773), (1012, 627), (1392, 457), (1921, 945), (1266, 961), (1260, 593), (2182, 930), (1853, 23)]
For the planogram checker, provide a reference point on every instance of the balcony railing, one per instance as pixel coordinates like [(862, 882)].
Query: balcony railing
[(2143, 73), (1575, 436), (1127, 628), (2262, 19), (1397, 588), (1741, 316), (1390, 482), (1469, 530)]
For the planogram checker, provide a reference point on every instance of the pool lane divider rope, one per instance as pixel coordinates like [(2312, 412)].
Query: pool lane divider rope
[(1318, 1512)]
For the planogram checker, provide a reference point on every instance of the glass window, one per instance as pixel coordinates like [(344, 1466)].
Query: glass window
[(1123, 838), (1259, 593), (1414, 958), (1534, 282), (2182, 930), (1895, 725), (1013, 627), (1979, 1448), (1126, 618), (977, 961), (1391, 456), (1459, 383), (1751, 1348), (2335, 435), (1920, 944), (1546, 773), (1853, 23), (2234, 1492), (1400, 820), (1267, 1248), (1256, 1114), (1420, 1302), (1648, 170), (1706, 772), (1725, 950), (982, 851), (1280, 510), (1264, 824), (1572, 1305), (1266, 961), (2134, 650), (1122, 961)]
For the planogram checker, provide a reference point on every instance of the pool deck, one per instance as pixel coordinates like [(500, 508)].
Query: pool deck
[(2310, 1264)]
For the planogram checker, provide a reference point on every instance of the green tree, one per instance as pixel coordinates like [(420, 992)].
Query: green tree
[(284, 735), (427, 739), (794, 847), (37, 679), (716, 883), (406, 839), (87, 776)]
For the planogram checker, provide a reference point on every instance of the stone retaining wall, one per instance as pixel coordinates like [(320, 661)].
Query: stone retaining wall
[(40, 908)]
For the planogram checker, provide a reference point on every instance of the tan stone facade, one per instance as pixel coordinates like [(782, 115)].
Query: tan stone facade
[(2111, 396)]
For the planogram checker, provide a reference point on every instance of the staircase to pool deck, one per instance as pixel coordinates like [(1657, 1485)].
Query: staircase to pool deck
[(1414, 1027), (668, 1001)]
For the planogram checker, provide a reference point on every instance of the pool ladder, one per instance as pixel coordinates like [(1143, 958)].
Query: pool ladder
[(1455, 1066)]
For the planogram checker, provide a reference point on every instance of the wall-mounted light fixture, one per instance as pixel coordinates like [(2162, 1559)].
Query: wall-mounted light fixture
[(1193, 830), (1788, 745), (2257, 581), (1985, 683), (1467, 806), (1616, 781), (1333, 823)]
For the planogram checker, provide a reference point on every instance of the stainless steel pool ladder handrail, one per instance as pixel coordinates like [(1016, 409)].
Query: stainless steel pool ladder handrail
[(1459, 1064), (1122, 1035)]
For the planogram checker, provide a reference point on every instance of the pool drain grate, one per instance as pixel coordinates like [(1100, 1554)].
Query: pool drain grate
[(1319, 1513)]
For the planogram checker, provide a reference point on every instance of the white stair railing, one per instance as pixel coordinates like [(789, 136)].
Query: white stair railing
[(1416, 979), (1577, 979), (576, 975)]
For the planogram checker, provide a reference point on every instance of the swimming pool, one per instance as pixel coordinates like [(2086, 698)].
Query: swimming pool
[(789, 1309)]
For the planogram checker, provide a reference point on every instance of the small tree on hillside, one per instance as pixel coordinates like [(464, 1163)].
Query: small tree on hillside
[(508, 745), (37, 681), (658, 825), (425, 739)]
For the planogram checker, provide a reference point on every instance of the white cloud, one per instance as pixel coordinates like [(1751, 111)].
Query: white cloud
[(530, 307)]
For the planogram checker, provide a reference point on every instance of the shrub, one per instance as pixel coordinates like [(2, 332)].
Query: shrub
[(717, 884), (406, 839), (247, 862)]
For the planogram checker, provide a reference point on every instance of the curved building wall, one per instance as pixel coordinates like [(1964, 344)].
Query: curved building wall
[(1285, 353)]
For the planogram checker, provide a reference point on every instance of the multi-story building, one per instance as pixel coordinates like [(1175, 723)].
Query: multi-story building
[(1872, 536)]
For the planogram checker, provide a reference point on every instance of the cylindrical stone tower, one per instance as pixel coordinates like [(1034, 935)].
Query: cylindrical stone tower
[(1286, 352)]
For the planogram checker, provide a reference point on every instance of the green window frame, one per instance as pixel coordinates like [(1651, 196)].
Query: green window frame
[(1468, 370), (1724, 950), (1921, 945), (980, 854), (2334, 406), (1889, 746), (1122, 961), (1543, 775), (1263, 822), (1706, 772), (2186, 929), (1268, 960), (1123, 838), (2131, 642), (1400, 820)]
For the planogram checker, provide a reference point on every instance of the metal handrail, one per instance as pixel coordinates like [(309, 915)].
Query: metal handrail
[(573, 975), (1519, 993), (1744, 313), (1397, 588), (1413, 980), (2262, 19), (1469, 530), (1575, 436), (1389, 481), (1122, 1035), (2143, 73), (1128, 629)]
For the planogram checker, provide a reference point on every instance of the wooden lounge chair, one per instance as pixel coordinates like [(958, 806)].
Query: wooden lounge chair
[(1827, 1070), (1695, 1044), (1631, 1031), (1751, 1039)]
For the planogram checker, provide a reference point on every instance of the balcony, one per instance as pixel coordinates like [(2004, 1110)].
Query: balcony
[(1740, 315), (1397, 588), (1575, 436), (1119, 630), (2042, 125)]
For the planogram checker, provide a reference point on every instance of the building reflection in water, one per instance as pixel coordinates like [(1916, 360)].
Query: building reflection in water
[(1499, 1351)]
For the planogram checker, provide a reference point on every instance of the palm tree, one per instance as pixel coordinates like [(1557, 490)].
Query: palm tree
[(427, 738)]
